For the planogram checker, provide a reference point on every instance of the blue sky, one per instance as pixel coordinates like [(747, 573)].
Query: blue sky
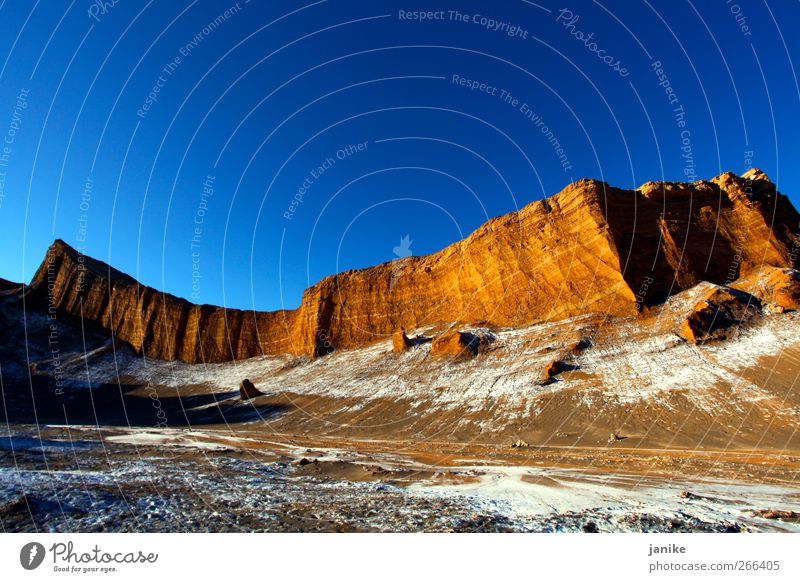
[(235, 153)]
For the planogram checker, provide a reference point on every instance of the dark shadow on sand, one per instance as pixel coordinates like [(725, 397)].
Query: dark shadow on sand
[(130, 405)]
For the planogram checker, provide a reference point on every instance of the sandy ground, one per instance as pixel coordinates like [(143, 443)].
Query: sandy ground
[(73, 478), (632, 377), (638, 431)]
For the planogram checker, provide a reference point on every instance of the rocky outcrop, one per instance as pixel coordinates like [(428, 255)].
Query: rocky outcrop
[(400, 341), (720, 310), (157, 324), (248, 390), (590, 248), (776, 288), (455, 343), (554, 369), (716, 231)]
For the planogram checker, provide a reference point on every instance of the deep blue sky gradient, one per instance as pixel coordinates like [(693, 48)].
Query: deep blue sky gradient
[(261, 100)]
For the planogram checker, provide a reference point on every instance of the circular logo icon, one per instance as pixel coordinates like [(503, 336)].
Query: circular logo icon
[(31, 555)]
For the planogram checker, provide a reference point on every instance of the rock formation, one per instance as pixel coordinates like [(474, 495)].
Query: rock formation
[(157, 324), (590, 248), (248, 390), (774, 287), (457, 343), (553, 369), (400, 341), (720, 309)]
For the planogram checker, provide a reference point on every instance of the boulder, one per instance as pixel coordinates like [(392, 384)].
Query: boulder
[(786, 289), (248, 390), (555, 368), (778, 289), (778, 514), (720, 311), (460, 344), (400, 341)]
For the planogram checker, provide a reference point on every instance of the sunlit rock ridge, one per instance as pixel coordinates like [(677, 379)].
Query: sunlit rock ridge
[(591, 248)]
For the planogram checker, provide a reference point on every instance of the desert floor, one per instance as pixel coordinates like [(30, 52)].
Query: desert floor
[(88, 478)]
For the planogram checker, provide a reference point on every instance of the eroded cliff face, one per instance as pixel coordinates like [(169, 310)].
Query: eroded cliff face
[(156, 324), (680, 234), (590, 248)]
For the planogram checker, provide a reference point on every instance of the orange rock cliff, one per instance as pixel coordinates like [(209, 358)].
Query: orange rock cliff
[(590, 248)]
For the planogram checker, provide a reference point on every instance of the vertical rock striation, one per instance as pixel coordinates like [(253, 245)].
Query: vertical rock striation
[(590, 248)]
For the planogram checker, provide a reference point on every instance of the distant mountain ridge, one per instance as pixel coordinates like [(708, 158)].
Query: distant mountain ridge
[(590, 248)]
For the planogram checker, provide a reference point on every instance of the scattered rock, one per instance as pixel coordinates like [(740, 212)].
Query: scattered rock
[(776, 514), (581, 345), (400, 341), (293, 363), (248, 390), (721, 310), (778, 289), (554, 368), (22, 504), (785, 284), (772, 308), (460, 344)]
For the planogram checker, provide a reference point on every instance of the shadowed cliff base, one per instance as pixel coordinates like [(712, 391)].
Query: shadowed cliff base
[(131, 405)]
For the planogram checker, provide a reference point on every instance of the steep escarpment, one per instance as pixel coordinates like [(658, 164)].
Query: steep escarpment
[(590, 248), (156, 324), (550, 260), (670, 236)]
